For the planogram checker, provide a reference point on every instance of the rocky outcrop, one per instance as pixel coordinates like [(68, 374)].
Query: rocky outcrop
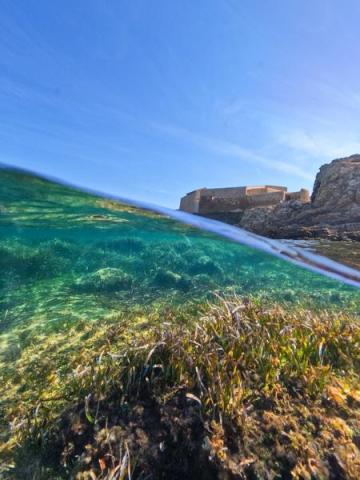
[(334, 210)]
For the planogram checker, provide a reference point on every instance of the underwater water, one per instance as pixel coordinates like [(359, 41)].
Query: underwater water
[(66, 255), (70, 259)]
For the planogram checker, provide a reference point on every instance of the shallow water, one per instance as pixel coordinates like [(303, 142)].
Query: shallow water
[(344, 251), (66, 255), (70, 260)]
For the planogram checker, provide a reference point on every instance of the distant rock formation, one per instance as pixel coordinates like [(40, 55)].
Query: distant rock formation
[(334, 210)]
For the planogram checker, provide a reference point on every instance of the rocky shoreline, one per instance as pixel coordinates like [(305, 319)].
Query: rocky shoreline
[(333, 212)]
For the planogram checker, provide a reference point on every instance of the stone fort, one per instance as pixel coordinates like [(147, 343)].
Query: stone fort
[(232, 201)]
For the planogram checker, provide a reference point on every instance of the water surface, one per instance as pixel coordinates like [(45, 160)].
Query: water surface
[(344, 251)]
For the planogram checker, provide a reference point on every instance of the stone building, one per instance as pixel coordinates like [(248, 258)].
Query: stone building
[(233, 201)]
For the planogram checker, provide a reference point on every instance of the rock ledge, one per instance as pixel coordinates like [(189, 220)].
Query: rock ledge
[(334, 210)]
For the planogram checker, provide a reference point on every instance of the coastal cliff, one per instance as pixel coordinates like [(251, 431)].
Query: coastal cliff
[(333, 212)]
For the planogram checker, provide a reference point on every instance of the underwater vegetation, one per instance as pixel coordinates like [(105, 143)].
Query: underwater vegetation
[(246, 390), (129, 340)]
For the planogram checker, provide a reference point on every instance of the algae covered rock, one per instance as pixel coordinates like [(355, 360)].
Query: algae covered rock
[(30, 261), (105, 280), (205, 265), (169, 279), (289, 295)]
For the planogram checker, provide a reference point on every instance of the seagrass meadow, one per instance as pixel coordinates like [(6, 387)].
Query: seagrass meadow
[(133, 346)]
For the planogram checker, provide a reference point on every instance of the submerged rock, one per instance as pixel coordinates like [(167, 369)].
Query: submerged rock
[(204, 265), (169, 279), (105, 280)]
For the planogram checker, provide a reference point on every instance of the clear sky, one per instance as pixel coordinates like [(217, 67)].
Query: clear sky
[(149, 99)]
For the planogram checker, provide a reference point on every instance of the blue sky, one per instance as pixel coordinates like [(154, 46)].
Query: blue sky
[(150, 99)]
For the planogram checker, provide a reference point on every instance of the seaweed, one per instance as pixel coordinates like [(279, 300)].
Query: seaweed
[(240, 389)]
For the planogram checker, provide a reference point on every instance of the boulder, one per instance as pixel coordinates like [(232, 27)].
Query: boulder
[(337, 185), (105, 280)]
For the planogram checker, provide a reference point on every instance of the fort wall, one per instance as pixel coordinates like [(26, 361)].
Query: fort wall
[(210, 204), (264, 189), (234, 200), (266, 199), (190, 203), (229, 192)]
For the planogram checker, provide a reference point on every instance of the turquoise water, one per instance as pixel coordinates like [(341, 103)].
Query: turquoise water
[(72, 264), (66, 255)]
